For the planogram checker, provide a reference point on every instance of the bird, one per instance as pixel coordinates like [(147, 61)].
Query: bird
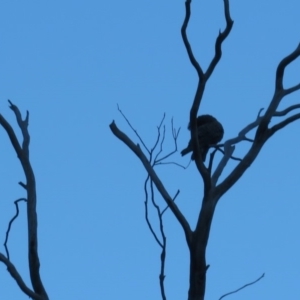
[(210, 133)]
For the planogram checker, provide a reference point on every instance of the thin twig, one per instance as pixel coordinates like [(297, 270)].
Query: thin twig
[(177, 193), (146, 213), (175, 134), (171, 163), (134, 130), (158, 135), (243, 286), (164, 243), (10, 224)]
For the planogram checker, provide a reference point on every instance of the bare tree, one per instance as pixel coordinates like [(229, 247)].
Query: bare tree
[(197, 238), (37, 291)]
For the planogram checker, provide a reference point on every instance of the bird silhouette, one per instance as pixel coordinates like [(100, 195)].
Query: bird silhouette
[(210, 133)]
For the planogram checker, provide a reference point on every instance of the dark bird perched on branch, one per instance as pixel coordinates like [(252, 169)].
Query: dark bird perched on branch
[(210, 133)]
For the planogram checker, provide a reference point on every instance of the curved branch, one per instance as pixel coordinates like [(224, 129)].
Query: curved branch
[(280, 92), (263, 132), (286, 111), (17, 277), (282, 65), (292, 89), (243, 286), (159, 185), (23, 155), (134, 130), (229, 148), (186, 42), (147, 215), (220, 39), (23, 124), (12, 136), (164, 244), (205, 173), (284, 123), (10, 224)]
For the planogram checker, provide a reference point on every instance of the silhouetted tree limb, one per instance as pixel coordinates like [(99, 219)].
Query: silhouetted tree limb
[(200, 236), (202, 79), (16, 276), (23, 155), (284, 123), (154, 160), (281, 68), (197, 240), (162, 242), (10, 224), (147, 215), (135, 131), (263, 133), (229, 148), (244, 286), (286, 111), (159, 185)]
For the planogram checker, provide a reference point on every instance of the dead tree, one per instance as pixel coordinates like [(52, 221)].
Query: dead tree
[(37, 291), (213, 189)]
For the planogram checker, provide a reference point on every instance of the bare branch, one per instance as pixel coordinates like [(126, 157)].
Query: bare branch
[(203, 77), (23, 124), (229, 149), (220, 39), (175, 134), (243, 286), (263, 132), (146, 214), (12, 136), (170, 162), (23, 185), (286, 111), (162, 240), (218, 148), (160, 187), (281, 68), (164, 243), (17, 277), (158, 139), (280, 92), (135, 131), (10, 223), (186, 42), (284, 123), (177, 193), (292, 89), (23, 155)]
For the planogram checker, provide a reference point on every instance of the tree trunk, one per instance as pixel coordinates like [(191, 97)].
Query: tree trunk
[(197, 249), (197, 275)]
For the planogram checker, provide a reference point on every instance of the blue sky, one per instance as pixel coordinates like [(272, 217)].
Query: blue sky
[(70, 63)]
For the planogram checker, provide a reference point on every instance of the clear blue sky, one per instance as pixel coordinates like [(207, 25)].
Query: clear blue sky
[(69, 63)]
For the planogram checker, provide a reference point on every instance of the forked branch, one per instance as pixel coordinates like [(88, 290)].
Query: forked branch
[(23, 155), (202, 79), (162, 241), (281, 68), (159, 185), (17, 277), (263, 132)]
